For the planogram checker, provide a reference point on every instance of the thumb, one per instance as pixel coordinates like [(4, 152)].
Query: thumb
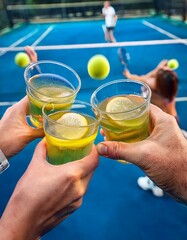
[(40, 152), (130, 152)]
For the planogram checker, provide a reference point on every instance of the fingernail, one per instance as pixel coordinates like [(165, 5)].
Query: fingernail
[(102, 149)]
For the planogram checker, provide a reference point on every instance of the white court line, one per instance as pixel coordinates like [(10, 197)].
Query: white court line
[(6, 103), (43, 36), (181, 99), (164, 32), (178, 99), (12, 46), (100, 45)]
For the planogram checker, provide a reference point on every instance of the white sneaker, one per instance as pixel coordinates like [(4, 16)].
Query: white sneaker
[(158, 192), (146, 184)]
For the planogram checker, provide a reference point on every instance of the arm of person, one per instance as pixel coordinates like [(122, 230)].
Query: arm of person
[(162, 156), (161, 65), (31, 53), (129, 75), (103, 12), (115, 19), (149, 78), (15, 131), (150, 81), (46, 195)]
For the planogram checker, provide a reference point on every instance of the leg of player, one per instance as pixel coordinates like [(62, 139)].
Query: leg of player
[(111, 33), (107, 36), (105, 30)]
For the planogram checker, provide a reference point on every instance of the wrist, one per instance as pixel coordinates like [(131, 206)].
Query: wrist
[(5, 146), (4, 164), (179, 191), (181, 194), (16, 222), (5, 233)]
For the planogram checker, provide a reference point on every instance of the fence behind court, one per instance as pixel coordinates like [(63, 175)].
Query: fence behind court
[(11, 14), (73, 10)]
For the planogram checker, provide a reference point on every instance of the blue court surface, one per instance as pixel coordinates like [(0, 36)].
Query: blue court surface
[(114, 207)]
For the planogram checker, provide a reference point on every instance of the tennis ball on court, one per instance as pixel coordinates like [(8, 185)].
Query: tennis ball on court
[(22, 59), (98, 67), (173, 64)]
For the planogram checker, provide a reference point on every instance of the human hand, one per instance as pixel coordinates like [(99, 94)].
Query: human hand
[(14, 129), (31, 53), (126, 73), (46, 195), (162, 156), (162, 64)]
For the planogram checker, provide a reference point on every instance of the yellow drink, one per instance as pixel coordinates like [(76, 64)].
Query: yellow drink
[(61, 96), (130, 126), (36, 104), (50, 82), (124, 108), (69, 135)]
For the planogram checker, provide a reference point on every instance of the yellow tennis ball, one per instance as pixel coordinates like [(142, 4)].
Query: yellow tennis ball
[(173, 64), (98, 67), (22, 59)]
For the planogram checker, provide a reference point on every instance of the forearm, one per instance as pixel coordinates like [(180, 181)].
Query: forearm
[(151, 73), (5, 233), (134, 76), (180, 190), (16, 222), (10, 229), (5, 139), (11, 235)]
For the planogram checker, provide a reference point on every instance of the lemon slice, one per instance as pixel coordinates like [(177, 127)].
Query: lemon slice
[(49, 94), (75, 126), (118, 106), (53, 91)]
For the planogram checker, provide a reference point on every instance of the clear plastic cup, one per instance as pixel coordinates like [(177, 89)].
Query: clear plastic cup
[(69, 134), (50, 82), (124, 108)]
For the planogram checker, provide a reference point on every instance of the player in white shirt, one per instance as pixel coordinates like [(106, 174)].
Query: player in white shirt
[(110, 21)]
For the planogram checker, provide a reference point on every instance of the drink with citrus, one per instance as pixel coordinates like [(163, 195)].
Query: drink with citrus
[(124, 108), (50, 82), (69, 134), (130, 126)]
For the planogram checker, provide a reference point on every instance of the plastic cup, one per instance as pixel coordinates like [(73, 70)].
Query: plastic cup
[(50, 82), (124, 108), (66, 140)]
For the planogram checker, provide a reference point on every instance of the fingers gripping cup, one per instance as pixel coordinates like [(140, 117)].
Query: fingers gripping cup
[(50, 82), (69, 134), (124, 108)]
